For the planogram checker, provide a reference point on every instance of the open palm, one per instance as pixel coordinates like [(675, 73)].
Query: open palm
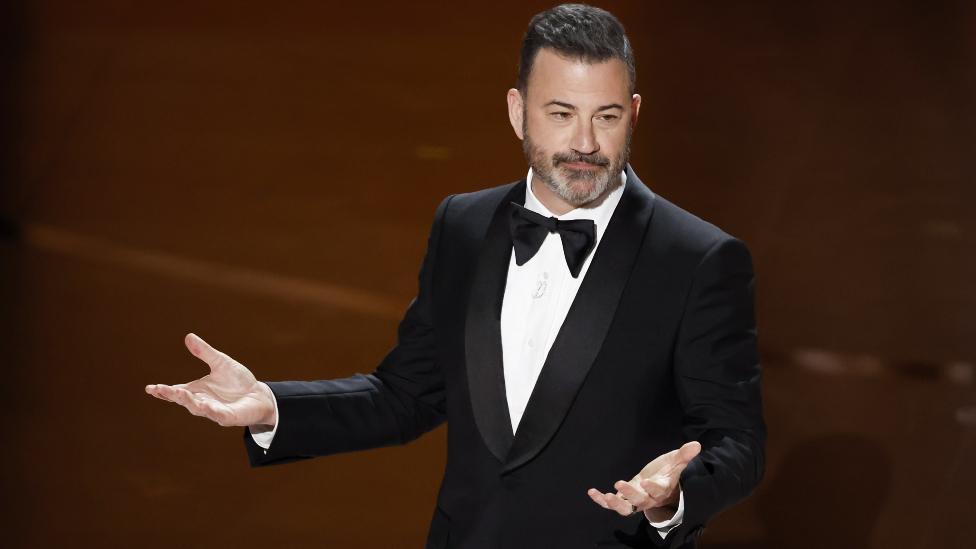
[(654, 490), (229, 395)]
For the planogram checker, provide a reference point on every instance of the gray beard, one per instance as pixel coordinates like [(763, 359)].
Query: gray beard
[(579, 187)]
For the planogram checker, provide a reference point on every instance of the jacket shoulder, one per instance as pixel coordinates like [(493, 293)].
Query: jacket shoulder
[(682, 231), (483, 199), (474, 210)]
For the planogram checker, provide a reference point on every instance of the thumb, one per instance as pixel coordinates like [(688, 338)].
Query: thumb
[(202, 350), (685, 454), (688, 451)]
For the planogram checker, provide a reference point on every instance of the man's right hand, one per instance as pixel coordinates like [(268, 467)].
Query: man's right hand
[(229, 395)]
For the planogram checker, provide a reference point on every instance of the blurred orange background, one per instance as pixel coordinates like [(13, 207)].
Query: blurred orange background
[(265, 176)]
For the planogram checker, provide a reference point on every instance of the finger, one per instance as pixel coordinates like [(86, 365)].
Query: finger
[(688, 451), (634, 494), (597, 496), (202, 350), (657, 488), (211, 408), (217, 410), (158, 391), (677, 460), (619, 504), (151, 391), (195, 404), (180, 396)]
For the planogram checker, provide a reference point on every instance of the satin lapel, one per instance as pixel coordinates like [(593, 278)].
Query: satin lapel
[(582, 333), (482, 331)]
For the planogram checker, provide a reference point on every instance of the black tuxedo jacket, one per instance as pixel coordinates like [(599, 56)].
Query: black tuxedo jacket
[(658, 348)]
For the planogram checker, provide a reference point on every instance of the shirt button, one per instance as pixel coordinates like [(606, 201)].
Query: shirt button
[(531, 343)]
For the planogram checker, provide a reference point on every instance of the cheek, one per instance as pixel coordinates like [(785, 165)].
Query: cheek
[(547, 137), (613, 140)]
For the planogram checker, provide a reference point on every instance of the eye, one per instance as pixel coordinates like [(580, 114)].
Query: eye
[(560, 115), (607, 117)]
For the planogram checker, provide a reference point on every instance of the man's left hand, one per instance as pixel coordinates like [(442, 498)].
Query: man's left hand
[(654, 490)]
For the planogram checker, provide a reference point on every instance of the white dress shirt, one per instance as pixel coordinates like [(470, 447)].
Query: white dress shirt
[(537, 298)]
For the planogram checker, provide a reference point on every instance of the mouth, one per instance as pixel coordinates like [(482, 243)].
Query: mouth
[(582, 165)]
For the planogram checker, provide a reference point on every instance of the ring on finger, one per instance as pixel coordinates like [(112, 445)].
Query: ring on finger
[(633, 508)]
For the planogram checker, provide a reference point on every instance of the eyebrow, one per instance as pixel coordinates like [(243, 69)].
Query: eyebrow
[(573, 107)]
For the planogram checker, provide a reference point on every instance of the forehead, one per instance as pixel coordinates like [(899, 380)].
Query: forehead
[(554, 76)]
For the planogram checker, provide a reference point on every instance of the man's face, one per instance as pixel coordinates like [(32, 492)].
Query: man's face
[(575, 123)]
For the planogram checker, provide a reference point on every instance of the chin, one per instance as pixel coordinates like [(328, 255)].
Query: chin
[(586, 181), (578, 193)]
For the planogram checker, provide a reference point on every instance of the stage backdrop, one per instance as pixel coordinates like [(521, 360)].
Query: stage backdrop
[(196, 166)]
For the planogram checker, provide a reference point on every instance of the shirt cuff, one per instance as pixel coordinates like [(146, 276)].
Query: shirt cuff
[(260, 433), (664, 527)]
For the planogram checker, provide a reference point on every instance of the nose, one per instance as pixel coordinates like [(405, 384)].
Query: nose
[(584, 139)]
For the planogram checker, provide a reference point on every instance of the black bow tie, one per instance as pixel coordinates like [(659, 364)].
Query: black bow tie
[(530, 229)]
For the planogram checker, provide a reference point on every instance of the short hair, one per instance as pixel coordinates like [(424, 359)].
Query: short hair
[(587, 33)]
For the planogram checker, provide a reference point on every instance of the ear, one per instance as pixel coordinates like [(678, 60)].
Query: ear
[(635, 102), (515, 111)]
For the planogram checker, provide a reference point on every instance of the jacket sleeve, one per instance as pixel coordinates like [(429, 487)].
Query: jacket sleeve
[(717, 376), (402, 399)]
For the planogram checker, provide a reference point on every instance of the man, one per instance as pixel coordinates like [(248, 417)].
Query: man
[(569, 327)]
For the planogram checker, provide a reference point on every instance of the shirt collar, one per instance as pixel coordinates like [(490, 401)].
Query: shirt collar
[(599, 214)]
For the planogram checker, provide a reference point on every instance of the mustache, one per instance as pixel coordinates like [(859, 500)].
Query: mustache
[(595, 159)]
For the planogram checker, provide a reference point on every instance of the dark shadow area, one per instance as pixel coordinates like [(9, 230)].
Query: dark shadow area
[(15, 27)]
